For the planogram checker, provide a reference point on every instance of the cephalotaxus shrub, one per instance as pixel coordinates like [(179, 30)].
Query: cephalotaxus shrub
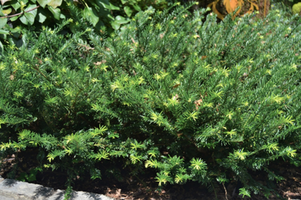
[(216, 98), (196, 101)]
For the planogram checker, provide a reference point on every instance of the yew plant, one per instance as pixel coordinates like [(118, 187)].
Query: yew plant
[(194, 99)]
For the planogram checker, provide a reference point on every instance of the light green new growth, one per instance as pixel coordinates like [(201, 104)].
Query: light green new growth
[(296, 8)]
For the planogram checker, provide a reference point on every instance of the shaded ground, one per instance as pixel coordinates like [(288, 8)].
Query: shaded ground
[(145, 186)]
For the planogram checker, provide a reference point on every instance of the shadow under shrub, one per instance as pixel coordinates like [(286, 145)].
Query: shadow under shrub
[(198, 101)]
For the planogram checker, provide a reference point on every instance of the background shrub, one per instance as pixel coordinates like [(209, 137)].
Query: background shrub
[(15, 16)]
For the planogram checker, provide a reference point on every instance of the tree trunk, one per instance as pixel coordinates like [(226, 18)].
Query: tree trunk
[(224, 7)]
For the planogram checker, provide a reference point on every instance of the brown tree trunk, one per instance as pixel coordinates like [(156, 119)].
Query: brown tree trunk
[(264, 7)]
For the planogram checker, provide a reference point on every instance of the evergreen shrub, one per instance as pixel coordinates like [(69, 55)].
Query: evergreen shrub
[(194, 99)]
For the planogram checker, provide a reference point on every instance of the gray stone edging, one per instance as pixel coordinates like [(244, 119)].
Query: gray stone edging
[(16, 190)]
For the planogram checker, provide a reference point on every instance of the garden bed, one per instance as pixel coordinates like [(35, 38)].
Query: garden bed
[(145, 187)]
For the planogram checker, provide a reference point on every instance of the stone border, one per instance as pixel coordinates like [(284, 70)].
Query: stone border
[(16, 190)]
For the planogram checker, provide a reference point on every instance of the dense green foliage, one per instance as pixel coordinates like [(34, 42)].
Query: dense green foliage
[(192, 98), (17, 15)]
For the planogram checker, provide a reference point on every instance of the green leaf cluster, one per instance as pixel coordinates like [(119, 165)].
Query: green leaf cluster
[(194, 99), (296, 8), (17, 15)]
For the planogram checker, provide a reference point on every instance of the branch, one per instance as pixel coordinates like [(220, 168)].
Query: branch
[(10, 16)]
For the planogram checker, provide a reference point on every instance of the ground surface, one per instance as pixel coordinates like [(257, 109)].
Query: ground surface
[(145, 187)]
